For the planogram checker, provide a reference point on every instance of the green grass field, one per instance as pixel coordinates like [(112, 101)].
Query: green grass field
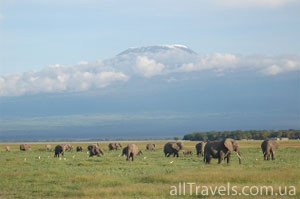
[(149, 176)]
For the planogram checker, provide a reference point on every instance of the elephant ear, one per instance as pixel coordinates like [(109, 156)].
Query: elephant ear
[(154, 145), (228, 144)]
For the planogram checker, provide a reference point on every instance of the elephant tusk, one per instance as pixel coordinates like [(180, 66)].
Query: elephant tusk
[(239, 156)]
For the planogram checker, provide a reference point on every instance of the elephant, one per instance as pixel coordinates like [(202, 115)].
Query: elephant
[(187, 152), (268, 148), (79, 148), (25, 147), (95, 149), (172, 148), (200, 148), (48, 147), (221, 150), (7, 148), (120, 145), (114, 146), (150, 147), (59, 149), (68, 147), (131, 150)]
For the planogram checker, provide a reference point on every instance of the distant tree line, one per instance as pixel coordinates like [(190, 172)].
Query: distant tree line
[(239, 134)]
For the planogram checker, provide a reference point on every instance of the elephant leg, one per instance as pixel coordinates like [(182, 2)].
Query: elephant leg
[(219, 160), (208, 159), (268, 156), (132, 157), (272, 153), (228, 158), (127, 157), (221, 157)]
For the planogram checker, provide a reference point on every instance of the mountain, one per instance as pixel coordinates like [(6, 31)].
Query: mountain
[(151, 91), (157, 49)]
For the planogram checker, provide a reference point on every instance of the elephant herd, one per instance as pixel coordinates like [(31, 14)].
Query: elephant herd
[(220, 150)]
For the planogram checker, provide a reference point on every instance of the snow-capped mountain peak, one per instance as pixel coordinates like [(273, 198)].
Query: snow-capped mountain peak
[(157, 49)]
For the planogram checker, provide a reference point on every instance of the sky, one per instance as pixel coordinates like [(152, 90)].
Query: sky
[(37, 33), (150, 67)]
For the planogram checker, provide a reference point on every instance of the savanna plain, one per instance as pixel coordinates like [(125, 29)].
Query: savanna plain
[(37, 174)]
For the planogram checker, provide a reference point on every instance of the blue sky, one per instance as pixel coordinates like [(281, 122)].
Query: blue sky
[(36, 33), (195, 66)]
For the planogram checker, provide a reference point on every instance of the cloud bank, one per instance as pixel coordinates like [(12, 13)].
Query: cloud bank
[(56, 78), (145, 62)]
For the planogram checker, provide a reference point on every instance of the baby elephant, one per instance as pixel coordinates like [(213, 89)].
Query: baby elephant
[(187, 152)]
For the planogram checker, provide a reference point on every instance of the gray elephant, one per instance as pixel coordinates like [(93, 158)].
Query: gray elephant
[(59, 149), (268, 148), (200, 148), (48, 147), (131, 150), (187, 152), (25, 147), (79, 148), (221, 150), (172, 148), (95, 149), (150, 147)]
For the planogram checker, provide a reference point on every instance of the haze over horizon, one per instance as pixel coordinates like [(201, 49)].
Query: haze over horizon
[(184, 74)]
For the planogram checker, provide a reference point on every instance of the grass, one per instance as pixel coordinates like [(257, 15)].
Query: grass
[(111, 176)]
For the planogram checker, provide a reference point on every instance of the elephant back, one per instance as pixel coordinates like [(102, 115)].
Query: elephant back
[(269, 144), (132, 148)]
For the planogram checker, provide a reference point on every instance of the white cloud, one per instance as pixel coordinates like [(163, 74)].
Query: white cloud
[(217, 62), (57, 78), (282, 66), (272, 70), (148, 67), (255, 3)]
